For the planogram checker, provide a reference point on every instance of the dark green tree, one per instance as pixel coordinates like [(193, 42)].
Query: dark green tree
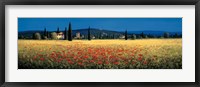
[(47, 34), (142, 35), (176, 35), (33, 36), (21, 37), (58, 30), (89, 37), (65, 33), (166, 35), (44, 36), (180, 36), (45, 31), (100, 37), (69, 32), (126, 37), (113, 36)]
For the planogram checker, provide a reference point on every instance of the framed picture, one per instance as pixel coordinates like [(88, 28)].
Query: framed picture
[(101, 42)]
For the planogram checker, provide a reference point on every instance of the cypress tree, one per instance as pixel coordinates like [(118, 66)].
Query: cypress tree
[(142, 35), (89, 38), (33, 36), (69, 32), (99, 35), (47, 34), (58, 30), (65, 33), (126, 35), (45, 31), (176, 35)]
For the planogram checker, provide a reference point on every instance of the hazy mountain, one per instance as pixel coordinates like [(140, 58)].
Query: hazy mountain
[(95, 31), (156, 33), (81, 31)]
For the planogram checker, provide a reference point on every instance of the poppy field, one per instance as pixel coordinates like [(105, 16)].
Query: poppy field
[(100, 54)]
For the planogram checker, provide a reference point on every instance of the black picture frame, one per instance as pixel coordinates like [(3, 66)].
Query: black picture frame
[(99, 2)]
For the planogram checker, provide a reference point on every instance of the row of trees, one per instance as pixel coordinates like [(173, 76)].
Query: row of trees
[(69, 36), (53, 35)]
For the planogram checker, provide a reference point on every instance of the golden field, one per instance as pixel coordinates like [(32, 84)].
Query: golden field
[(100, 54)]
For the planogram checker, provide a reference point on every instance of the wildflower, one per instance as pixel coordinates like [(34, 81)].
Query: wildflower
[(140, 54), (85, 57), (116, 63), (42, 59), (70, 62), (145, 62), (99, 62), (80, 63), (140, 58), (107, 62), (75, 57), (59, 60), (92, 61), (35, 57)]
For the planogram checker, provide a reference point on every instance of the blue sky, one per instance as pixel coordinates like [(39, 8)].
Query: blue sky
[(116, 24)]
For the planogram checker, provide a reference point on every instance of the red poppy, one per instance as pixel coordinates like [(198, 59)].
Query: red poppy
[(70, 62), (140, 54), (35, 57), (92, 61), (116, 63), (107, 62), (59, 60), (140, 58), (145, 62), (75, 57), (80, 63), (111, 56), (42, 59), (79, 53), (85, 57), (99, 62)]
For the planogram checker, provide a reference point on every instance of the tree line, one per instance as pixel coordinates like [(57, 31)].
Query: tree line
[(68, 35)]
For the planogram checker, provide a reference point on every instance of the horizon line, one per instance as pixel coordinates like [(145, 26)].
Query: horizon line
[(103, 29)]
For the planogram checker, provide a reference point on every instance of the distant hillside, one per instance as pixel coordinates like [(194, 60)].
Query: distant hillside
[(156, 33), (95, 31), (82, 31)]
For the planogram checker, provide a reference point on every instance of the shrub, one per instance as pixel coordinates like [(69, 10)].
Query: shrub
[(53, 35), (37, 36), (134, 37)]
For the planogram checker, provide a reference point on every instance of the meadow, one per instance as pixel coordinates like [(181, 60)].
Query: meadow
[(100, 54)]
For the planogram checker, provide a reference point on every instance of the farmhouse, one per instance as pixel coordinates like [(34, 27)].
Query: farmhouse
[(78, 35), (121, 36), (60, 36)]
